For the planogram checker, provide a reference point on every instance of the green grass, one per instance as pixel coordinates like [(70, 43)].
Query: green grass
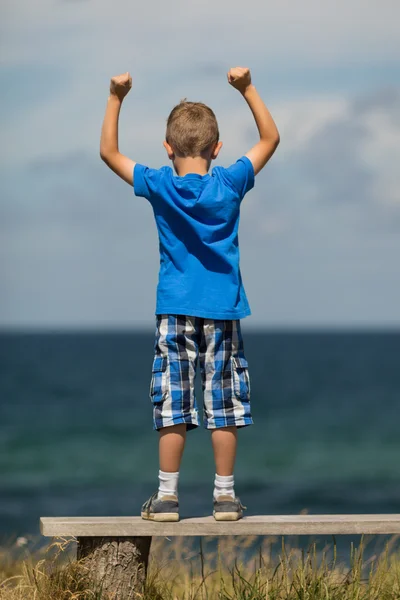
[(178, 570)]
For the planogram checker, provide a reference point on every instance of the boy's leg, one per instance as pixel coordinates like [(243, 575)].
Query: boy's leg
[(171, 446), (175, 407), (224, 443), (226, 389)]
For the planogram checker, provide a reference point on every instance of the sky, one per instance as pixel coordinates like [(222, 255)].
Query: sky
[(320, 231)]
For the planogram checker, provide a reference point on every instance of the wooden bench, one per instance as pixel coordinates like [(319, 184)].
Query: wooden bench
[(116, 549)]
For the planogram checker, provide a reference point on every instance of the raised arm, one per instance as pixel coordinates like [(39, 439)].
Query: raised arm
[(120, 164), (240, 78)]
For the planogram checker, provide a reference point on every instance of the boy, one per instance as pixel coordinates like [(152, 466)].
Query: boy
[(200, 295)]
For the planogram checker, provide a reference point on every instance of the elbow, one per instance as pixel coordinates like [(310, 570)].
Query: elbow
[(104, 156), (272, 141), (107, 155)]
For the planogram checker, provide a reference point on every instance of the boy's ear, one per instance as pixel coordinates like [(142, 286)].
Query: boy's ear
[(216, 150), (169, 150)]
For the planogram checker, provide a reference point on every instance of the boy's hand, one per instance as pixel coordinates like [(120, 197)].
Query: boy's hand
[(239, 78), (120, 85)]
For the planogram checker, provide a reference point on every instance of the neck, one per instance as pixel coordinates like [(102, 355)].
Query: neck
[(188, 164)]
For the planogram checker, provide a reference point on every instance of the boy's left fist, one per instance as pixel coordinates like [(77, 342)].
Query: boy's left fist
[(120, 85)]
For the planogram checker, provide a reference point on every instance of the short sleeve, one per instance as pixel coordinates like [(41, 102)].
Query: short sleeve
[(146, 181), (240, 175)]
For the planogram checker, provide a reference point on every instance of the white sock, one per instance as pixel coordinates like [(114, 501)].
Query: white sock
[(168, 483), (223, 484)]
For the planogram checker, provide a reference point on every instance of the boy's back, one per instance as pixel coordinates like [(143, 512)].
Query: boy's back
[(197, 219), (200, 295)]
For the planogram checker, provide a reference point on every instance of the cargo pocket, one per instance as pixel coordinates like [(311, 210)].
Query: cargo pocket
[(241, 378), (159, 379)]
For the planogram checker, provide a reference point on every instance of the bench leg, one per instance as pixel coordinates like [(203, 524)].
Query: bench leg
[(119, 563)]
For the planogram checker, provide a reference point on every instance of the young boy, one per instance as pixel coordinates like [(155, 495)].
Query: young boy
[(200, 295)]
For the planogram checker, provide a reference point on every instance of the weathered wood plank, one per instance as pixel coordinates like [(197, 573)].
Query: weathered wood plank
[(252, 525)]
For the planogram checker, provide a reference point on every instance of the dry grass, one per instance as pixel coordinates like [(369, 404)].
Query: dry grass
[(181, 570)]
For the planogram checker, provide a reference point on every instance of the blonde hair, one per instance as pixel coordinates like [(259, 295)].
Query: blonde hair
[(191, 128)]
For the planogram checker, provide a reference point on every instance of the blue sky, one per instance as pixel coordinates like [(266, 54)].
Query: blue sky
[(320, 231)]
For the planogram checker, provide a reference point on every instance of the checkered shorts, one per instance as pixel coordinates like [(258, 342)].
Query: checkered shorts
[(182, 340)]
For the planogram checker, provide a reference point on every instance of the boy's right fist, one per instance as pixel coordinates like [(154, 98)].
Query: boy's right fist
[(239, 78), (120, 85)]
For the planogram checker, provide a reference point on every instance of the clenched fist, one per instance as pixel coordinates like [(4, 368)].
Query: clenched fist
[(239, 78), (120, 85)]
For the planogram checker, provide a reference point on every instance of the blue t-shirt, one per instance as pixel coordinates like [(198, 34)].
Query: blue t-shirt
[(197, 218)]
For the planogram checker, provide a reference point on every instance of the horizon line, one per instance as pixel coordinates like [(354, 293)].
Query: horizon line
[(121, 329)]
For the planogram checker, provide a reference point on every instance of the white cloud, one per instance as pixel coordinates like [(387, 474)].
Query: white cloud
[(300, 120)]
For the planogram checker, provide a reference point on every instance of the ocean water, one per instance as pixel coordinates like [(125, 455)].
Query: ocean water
[(76, 435)]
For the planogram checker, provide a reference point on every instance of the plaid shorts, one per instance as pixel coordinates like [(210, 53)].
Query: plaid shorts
[(180, 341)]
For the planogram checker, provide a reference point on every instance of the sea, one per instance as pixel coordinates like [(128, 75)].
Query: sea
[(76, 436)]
